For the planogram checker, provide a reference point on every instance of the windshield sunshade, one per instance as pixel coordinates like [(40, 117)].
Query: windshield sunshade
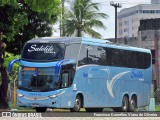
[(43, 51)]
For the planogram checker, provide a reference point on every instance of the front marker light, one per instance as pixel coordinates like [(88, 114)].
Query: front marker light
[(52, 96), (20, 95)]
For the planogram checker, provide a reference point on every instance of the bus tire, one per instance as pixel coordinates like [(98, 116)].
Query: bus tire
[(94, 109), (77, 104), (132, 104), (124, 107), (41, 109)]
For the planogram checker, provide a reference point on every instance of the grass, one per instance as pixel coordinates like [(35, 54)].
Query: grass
[(66, 110), (158, 108), (20, 108)]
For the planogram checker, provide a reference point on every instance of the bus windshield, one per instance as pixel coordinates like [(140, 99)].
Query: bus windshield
[(38, 79), (43, 51)]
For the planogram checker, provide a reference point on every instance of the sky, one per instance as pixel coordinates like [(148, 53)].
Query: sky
[(110, 11)]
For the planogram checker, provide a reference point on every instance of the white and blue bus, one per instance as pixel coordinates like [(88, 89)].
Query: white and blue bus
[(81, 72)]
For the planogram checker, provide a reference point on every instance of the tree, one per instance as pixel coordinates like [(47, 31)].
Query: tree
[(39, 16), (18, 19), (82, 17), (38, 26)]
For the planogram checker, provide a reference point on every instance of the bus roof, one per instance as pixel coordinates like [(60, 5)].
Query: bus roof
[(66, 40), (85, 40)]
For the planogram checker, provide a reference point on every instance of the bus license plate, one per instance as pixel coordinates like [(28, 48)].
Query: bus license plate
[(35, 104)]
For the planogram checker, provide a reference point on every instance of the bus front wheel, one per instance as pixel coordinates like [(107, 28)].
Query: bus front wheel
[(41, 109), (77, 105)]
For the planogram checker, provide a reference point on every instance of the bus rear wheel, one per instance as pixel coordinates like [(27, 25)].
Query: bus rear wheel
[(124, 107), (41, 109), (94, 109), (77, 105), (132, 104)]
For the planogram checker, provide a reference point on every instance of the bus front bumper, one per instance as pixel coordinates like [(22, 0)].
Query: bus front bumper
[(37, 99)]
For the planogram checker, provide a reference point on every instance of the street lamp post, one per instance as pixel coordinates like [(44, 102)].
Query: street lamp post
[(115, 5), (62, 19)]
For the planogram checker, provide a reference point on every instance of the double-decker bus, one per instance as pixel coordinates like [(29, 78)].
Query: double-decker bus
[(79, 72)]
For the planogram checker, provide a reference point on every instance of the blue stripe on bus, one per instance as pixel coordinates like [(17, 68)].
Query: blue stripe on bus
[(58, 65)]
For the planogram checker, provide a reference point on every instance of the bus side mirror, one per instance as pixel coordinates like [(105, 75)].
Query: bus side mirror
[(11, 64)]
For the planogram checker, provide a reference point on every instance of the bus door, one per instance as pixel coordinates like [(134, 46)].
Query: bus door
[(66, 80)]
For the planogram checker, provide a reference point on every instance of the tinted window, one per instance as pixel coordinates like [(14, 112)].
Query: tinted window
[(92, 55), (130, 59), (140, 59), (43, 51), (109, 56), (83, 57), (72, 51), (113, 57), (147, 60), (96, 55), (132, 63), (123, 58)]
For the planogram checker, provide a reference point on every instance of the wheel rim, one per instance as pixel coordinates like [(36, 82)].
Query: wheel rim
[(132, 104), (77, 104), (125, 104)]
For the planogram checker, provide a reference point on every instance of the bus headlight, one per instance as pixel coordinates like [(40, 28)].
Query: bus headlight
[(52, 96), (55, 95), (20, 95)]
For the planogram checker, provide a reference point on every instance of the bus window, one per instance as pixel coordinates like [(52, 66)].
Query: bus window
[(96, 55), (115, 57), (140, 60), (132, 63), (65, 79), (67, 76), (147, 60), (108, 57), (72, 51), (123, 58), (83, 57)]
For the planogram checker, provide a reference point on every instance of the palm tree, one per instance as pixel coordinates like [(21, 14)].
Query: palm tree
[(82, 17)]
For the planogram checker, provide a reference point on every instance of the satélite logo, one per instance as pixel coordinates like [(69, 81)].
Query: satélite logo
[(45, 49), (137, 74)]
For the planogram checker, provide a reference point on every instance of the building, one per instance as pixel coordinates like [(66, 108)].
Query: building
[(149, 37), (129, 18)]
